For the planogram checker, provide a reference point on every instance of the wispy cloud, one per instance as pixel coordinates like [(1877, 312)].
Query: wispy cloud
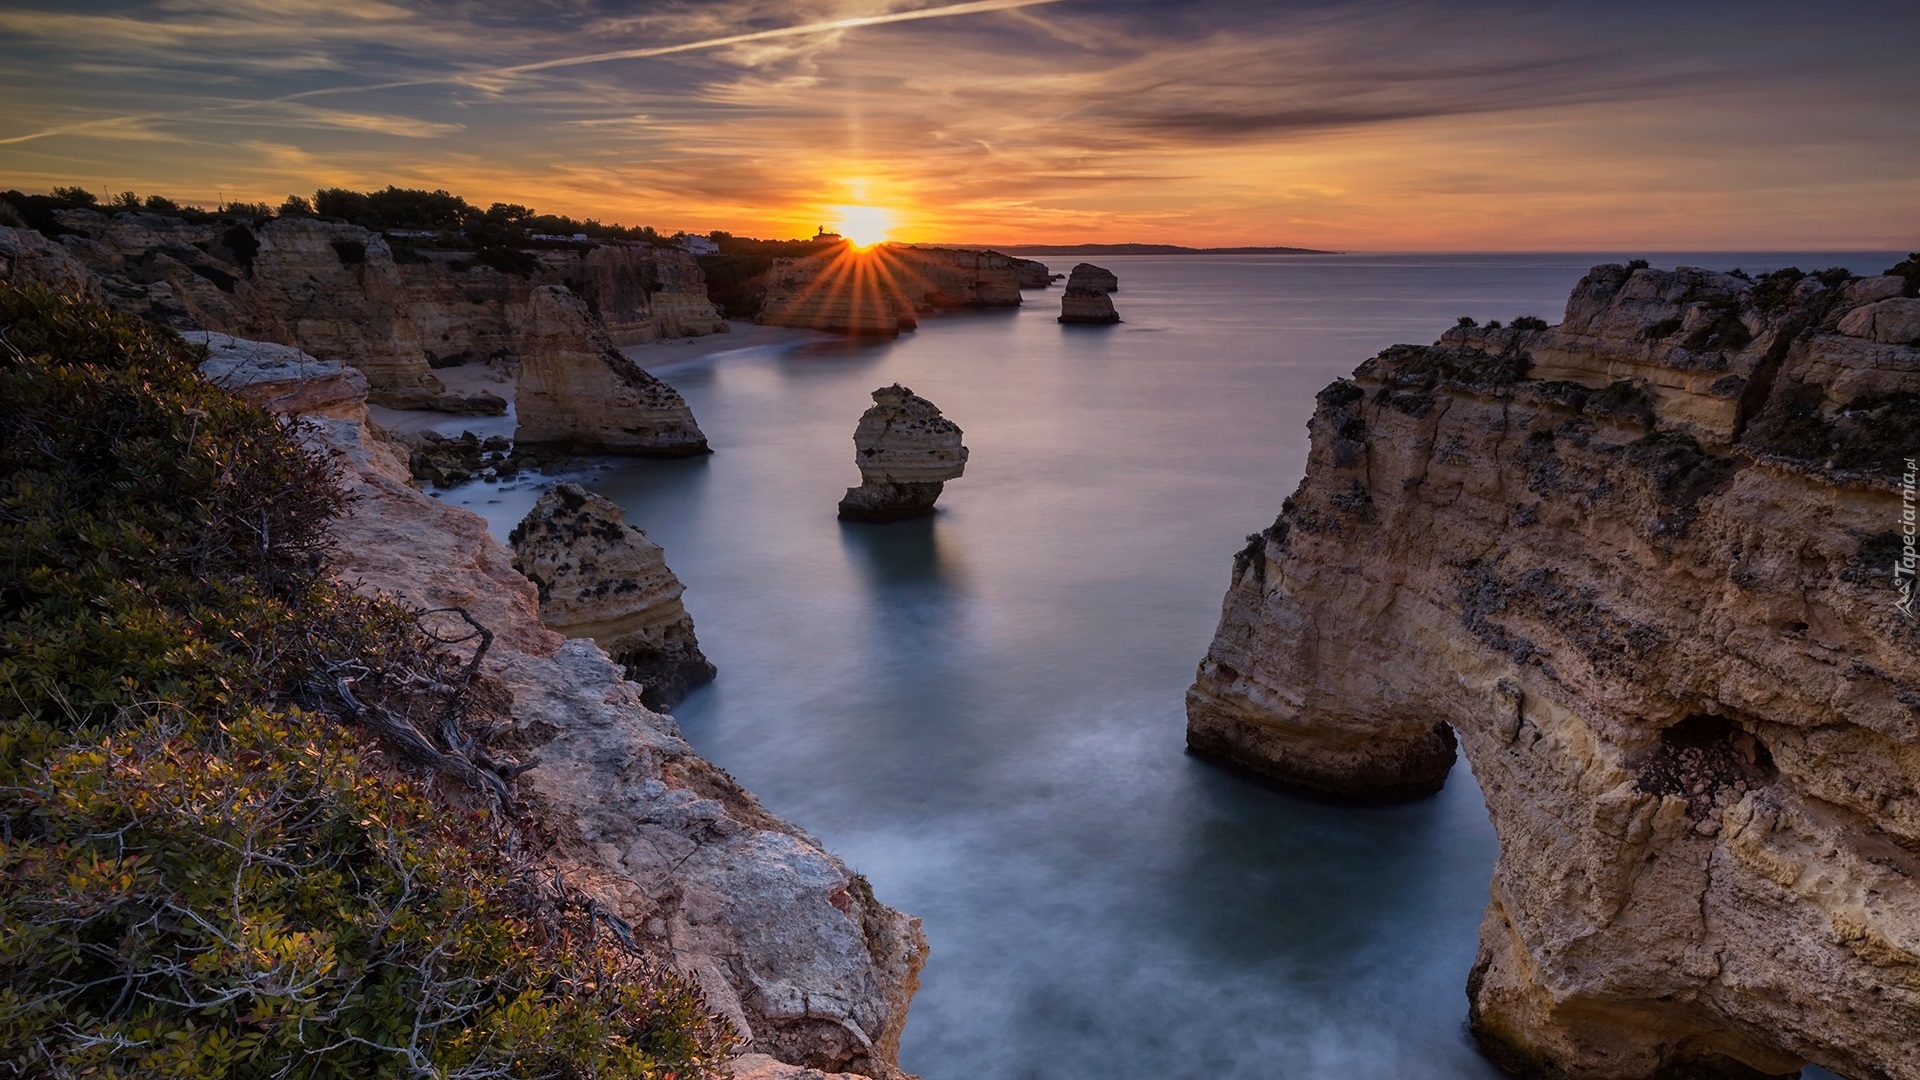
[(1329, 122)]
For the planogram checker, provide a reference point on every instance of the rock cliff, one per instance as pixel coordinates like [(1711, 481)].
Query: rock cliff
[(1033, 274), (599, 577), (1641, 565), (578, 393), (391, 310), (880, 289), (785, 941), (27, 256), (906, 452)]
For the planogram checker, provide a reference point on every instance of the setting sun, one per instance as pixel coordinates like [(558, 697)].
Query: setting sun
[(864, 225)]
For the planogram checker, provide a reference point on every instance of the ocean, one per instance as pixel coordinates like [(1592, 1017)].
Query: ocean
[(982, 711)]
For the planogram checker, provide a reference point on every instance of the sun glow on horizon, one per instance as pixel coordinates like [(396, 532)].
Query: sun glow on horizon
[(864, 225)]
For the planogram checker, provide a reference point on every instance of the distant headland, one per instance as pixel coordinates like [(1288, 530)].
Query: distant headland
[(1150, 249)]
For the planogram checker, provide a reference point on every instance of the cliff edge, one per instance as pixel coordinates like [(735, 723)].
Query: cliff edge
[(785, 941), (1646, 567)]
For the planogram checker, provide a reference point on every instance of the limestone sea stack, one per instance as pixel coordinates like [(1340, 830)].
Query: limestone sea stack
[(601, 578), (1082, 306), (1642, 565), (907, 452), (578, 393), (1089, 276)]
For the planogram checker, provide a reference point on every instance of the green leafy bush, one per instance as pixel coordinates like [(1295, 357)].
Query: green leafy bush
[(202, 875)]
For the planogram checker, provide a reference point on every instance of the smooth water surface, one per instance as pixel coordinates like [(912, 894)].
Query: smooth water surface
[(983, 711)]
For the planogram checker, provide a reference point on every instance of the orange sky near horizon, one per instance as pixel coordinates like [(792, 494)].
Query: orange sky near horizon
[(1346, 126)]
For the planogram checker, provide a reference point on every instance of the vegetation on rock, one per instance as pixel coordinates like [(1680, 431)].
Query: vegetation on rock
[(201, 873)]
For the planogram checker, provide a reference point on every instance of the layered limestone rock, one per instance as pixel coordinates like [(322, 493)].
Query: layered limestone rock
[(1033, 274), (599, 577), (844, 291), (394, 312), (578, 393), (280, 377), (1089, 276), (906, 452), (878, 290), (26, 256), (1642, 564), (784, 940), (1087, 307)]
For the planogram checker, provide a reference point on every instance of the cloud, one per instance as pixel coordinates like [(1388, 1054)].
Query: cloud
[(1050, 115)]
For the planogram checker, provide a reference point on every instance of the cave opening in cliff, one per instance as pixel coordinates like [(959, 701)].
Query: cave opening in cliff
[(1703, 754)]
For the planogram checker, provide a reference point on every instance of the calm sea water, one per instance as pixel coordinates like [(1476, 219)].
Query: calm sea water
[(983, 711)]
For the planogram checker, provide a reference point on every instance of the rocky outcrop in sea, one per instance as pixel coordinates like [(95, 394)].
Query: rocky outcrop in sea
[(880, 290), (599, 577), (784, 940), (1087, 307), (1641, 567), (906, 451), (1089, 276)]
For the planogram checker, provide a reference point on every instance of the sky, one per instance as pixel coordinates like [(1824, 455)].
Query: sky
[(1388, 126)]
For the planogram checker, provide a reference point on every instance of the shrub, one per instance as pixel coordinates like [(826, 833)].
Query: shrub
[(1529, 322), (202, 875), (1638, 264), (1908, 268), (74, 197), (1775, 291), (1467, 321)]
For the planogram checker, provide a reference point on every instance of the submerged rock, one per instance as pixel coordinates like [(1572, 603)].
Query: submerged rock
[(600, 578), (906, 452), (1087, 307), (1641, 565)]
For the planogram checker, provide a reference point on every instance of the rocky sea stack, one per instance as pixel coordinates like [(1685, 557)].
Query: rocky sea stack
[(1087, 307), (1085, 301), (906, 452), (1089, 276), (600, 578), (1641, 565)]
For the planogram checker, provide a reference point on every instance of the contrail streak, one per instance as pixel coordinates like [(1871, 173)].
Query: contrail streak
[(944, 11)]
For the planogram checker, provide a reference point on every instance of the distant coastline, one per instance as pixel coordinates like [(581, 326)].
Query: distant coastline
[(1153, 249)]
